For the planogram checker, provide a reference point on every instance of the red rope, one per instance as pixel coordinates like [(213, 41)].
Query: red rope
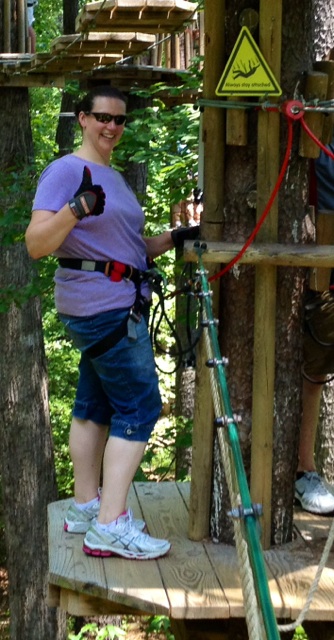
[(266, 209)]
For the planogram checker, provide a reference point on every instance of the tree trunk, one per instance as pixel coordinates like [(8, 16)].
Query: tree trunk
[(324, 454), (27, 470), (66, 124)]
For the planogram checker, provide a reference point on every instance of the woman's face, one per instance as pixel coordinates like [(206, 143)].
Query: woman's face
[(101, 135)]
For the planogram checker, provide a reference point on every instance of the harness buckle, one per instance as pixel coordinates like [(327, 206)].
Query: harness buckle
[(135, 315), (108, 268), (129, 272)]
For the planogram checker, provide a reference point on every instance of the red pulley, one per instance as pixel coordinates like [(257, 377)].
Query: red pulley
[(293, 109)]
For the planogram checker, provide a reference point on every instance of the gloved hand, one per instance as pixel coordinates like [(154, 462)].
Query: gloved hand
[(181, 234), (89, 199)]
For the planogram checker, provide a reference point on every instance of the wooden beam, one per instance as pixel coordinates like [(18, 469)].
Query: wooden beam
[(280, 255), (270, 27), (96, 43), (32, 80), (213, 142)]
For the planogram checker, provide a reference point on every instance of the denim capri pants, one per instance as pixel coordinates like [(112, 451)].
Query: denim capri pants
[(120, 387)]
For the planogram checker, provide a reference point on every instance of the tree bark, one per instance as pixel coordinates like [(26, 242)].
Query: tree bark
[(26, 458), (66, 125)]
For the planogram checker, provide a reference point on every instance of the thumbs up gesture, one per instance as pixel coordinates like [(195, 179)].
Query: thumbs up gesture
[(89, 199)]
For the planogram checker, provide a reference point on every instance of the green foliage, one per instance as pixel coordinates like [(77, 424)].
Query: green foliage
[(158, 624), (91, 631), (300, 634)]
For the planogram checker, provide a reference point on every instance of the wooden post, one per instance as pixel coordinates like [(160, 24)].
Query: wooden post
[(320, 277), (236, 125), (327, 66), (265, 281), (211, 225), (21, 26), (316, 87), (6, 26)]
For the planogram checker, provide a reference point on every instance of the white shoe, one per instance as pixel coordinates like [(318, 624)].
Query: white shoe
[(125, 540), (79, 520), (312, 494)]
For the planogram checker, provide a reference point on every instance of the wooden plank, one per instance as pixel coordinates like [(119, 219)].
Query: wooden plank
[(294, 255), (113, 579), (103, 43), (22, 79), (294, 570), (71, 64), (184, 490), (189, 578), (78, 604), (195, 581), (225, 562)]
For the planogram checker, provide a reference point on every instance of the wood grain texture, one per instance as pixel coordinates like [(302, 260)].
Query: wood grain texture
[(196, 580)]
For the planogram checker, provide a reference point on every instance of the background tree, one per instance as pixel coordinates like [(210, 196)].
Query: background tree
[(66, 125), (26, 459)]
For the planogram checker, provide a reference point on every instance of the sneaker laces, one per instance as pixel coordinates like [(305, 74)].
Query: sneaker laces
[(316, 482)]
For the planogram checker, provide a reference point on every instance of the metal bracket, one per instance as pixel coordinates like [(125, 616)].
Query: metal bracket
[(241, 512), (209, 323), (214, 362), (223, 421)]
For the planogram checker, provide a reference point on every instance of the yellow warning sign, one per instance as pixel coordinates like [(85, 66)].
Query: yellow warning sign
[(247, 73)]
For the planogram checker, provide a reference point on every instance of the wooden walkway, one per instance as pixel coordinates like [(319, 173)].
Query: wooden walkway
[(197, 580), (109, 32)]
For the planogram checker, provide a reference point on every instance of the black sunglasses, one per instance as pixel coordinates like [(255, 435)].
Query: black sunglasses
[(106, 117)]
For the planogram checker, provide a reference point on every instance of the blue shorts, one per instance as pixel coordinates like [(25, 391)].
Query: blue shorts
[(120, 387)]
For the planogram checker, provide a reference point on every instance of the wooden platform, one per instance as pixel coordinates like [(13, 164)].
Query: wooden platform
[(197, 580), (108, 33), (151, 16)]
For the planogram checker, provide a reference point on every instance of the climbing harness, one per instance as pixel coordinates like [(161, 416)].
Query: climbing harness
[(113, 269), (117, 271)]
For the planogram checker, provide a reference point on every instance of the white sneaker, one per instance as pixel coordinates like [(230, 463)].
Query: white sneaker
[(312, 494), (123, 540), (79, 520)]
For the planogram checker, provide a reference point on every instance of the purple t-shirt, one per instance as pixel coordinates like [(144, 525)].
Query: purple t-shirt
[(114, 235)]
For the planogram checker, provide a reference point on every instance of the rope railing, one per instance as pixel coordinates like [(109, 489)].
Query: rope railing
[(259, 613)]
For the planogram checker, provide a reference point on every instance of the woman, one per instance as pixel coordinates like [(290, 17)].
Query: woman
[(95, 230)]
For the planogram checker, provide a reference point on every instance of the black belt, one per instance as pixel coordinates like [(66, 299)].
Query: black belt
[(113, 269)]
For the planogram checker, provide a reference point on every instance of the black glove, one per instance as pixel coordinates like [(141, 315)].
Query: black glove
[(181, 234), (89, 199)]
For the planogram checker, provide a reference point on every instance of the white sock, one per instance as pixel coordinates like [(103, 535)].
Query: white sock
[(105, 527), (87, 505)]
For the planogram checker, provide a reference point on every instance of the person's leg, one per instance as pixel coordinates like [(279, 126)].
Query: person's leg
[(310, 489), (87, 444), (311, 405), (121, 461)]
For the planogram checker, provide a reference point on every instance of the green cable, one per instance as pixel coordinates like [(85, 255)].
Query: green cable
[(251, 528)]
